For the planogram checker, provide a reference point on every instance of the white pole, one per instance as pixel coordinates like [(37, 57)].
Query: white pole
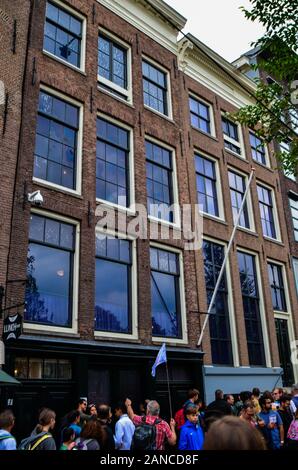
[(226, 257)]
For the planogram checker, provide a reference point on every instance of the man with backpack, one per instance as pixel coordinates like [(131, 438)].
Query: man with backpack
[(7, 441), (151, 431)]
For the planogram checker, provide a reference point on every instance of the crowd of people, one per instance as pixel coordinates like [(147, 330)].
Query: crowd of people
[(250, 421)]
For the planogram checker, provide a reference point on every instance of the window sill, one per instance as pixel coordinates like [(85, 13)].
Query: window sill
[(172, 225), (68, 333), (211, 136), (249, 231), (164, 116), (170, 341), (214, 218), (56, 187), (262, 165), (118, 98), (110, 205), (274, 240), (64, 62), (236, 155), (101, 335)]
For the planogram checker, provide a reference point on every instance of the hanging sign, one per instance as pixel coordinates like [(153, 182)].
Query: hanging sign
[(12, 327)]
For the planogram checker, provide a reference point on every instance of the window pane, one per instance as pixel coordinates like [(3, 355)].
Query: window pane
[(164, 305), (112, 297), (48, 294), (35, 369), (50, 369), (62, 34), (21, 367)]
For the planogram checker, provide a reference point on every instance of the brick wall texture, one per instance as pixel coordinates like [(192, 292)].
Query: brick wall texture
[(177, 133)]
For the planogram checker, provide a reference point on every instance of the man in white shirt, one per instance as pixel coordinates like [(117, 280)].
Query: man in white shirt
[(124, 429)]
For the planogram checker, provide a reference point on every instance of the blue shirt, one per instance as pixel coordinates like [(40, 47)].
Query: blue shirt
[(7, 441), (124, 432), (272, 434), (77, 429), (191, 437)]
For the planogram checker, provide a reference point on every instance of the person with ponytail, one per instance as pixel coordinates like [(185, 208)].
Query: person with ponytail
[(41, 438)]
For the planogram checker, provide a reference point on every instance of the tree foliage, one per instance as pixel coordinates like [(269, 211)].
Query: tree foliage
[(275, 113)]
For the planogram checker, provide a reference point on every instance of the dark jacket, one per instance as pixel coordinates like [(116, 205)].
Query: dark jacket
[(219, 407), (109, 443), (46, 444)]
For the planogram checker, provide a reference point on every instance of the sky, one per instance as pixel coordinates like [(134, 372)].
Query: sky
[(219, 24)]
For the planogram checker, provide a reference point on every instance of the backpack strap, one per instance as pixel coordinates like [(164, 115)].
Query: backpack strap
[(39, 441), (9, 436)]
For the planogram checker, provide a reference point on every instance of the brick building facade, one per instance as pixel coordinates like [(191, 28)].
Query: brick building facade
[(105, 115)]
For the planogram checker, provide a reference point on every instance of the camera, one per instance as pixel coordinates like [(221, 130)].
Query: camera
[(35, 198)]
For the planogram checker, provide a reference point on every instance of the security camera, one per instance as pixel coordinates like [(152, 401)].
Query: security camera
[(35, 198)]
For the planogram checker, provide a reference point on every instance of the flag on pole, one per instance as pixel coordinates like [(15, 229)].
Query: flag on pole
[(160, 359)]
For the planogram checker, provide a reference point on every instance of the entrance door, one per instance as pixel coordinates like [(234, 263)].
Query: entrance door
[(284, 350)]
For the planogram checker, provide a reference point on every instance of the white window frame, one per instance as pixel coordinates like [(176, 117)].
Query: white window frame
[(285, 147), (252, 227), (134, 288), (38, 327), (177, 219), (295, 270), (285, 283), (184, 339), (131, 209), (232, 320), (288, 316), (261, 305), (113, 86), (295, 231), (79, 149), (82, 18), (211, 114), (237, 143), (218, 187), (168, 116), (267, 157), (275, 214)]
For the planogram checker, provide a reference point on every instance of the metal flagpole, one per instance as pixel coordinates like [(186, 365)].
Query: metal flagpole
[(226, 257), (169, 391)]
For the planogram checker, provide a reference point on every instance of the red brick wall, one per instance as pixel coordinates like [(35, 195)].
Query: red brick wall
[(176, 133), (11, 75)]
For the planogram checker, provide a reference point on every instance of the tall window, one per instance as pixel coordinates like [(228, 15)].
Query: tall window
[(56, 141), (294, 213), (231, 136), (159, 181), (219, 323), (155, 88), (200, 115), (206, 185), (285, 147), (251, 308), (113, 284), (266, 210), (295, 268), (50, 263), (165, 293), (237, 190), (277, 287), (112, 65), (63, 34), (112, 163), (257, 149)]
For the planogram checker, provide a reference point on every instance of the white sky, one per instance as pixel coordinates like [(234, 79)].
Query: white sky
[(219, 24)]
